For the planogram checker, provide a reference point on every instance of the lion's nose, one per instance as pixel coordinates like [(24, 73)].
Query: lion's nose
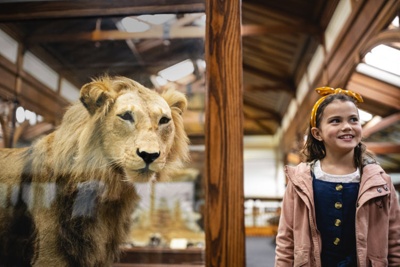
[(147, 157)]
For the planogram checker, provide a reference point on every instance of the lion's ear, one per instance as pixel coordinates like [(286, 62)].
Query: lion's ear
[(95, 95), (175, 99)]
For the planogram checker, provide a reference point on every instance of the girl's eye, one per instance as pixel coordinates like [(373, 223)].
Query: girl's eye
[(126, 116), (354, 119), (164, 120), (335, 121)]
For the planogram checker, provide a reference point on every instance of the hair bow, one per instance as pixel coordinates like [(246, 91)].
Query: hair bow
[(325, 92)]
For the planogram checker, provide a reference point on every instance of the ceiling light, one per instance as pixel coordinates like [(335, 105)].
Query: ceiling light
[(177, 71), (133, 25)]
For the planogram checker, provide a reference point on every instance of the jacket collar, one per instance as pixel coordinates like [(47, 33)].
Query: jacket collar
[(372, 176), (300, 176)]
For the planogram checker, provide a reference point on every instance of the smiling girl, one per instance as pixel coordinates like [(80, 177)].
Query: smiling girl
[(340, 208)]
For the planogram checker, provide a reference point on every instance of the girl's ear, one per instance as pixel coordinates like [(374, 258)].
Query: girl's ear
[(316, 133)]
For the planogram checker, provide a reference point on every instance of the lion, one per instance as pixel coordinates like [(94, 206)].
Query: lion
[(67, 200)]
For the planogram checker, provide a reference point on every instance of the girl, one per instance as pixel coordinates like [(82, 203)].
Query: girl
[(340, 208)]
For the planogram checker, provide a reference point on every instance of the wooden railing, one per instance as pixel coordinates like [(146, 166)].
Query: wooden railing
[(262, 216)]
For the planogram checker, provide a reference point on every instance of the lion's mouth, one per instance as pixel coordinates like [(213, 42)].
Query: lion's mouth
[(145, 170)]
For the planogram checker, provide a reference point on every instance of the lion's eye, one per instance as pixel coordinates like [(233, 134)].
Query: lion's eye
[(126, 116), (164, 120)]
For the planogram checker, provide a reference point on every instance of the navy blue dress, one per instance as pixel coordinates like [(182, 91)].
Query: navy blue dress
[(335, 207)]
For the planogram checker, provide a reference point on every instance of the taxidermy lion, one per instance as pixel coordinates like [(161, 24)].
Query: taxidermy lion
[(67, 200)]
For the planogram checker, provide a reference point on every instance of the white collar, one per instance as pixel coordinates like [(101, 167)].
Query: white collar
[(345, 178)]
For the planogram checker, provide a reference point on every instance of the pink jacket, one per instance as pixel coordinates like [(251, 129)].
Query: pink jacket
[(298, 242)]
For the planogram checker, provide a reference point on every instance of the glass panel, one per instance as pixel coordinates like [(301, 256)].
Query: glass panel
[(64, 206)]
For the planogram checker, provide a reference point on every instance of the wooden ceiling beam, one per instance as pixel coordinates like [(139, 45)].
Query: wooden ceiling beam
[(384, 123), (33, 132), (287, 88), (260, 115), (267, 129), (263, 10), (251, 30), (10, 12), (251, 69), (270, 57), (274, 115), (385, 37), (258, 121), (156, 32), (382, 148), (369, 87)]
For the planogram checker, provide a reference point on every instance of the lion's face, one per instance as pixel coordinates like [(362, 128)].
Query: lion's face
[(140, 132), (139, 129)]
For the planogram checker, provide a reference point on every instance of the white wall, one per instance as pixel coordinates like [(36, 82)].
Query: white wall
[(263, 170)]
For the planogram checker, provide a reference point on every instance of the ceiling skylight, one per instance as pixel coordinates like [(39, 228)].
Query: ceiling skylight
[(364, 116), (158, 81), (382, 62), (157, 19), (177, 71), (385, 58), (133, 25), (395, 22)]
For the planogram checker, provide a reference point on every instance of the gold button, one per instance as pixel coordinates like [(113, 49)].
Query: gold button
[(337, 241), (339, 187), (338, 222), (338, 205)]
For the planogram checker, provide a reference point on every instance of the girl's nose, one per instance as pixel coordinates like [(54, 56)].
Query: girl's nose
[(346, 126)]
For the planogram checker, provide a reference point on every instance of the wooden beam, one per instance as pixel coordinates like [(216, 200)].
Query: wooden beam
[(10, 12), (33, 132), (287, 88), (374, 89), (32, 94), (260, 115), (267, 129), (382, 148), (274, 115), (254, 30), (255, 71), (384, 123), (225, 235), (384, 37), (156, 32)]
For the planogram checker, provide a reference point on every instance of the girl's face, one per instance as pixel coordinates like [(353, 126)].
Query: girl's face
[(340, 128)]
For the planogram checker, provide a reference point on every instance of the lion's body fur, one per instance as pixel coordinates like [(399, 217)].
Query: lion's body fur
[(67, 200)]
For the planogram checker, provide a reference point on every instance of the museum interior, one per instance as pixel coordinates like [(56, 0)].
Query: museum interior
[(248, 70)]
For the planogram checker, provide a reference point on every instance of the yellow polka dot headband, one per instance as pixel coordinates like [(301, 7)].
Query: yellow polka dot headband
[(325, 92)]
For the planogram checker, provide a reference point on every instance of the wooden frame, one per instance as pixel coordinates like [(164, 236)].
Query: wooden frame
[(225, 236)]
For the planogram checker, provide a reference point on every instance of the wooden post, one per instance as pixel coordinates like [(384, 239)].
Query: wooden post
[(224, 216), (17, 92)]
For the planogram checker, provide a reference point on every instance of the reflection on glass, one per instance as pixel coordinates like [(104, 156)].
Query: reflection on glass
[(169, 219)]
